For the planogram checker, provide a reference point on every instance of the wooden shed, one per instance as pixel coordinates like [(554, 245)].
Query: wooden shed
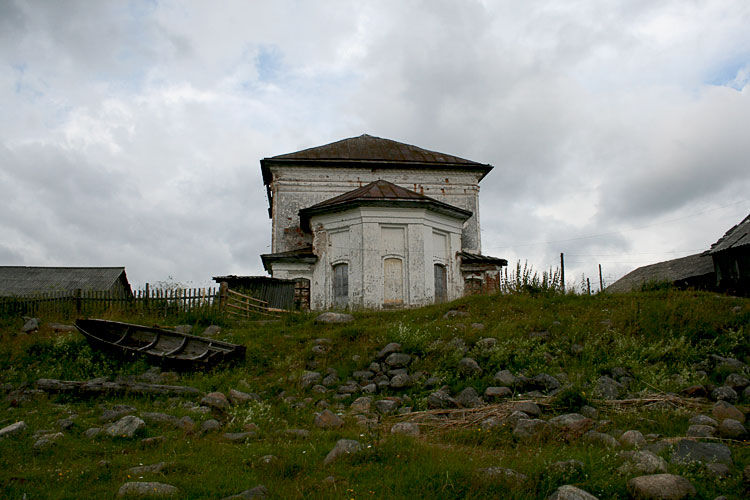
[(731, 258), (24, 281)]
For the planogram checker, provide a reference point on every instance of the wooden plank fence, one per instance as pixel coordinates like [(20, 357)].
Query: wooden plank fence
[(147, 301)]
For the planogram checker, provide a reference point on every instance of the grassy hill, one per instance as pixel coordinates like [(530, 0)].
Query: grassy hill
[(561, 351)]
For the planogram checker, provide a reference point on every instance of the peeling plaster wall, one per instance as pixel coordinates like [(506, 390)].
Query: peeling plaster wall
[(364, 237), (295, 187)]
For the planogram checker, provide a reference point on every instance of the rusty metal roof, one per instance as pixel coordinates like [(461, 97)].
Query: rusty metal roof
[(379, 192), (738, 236), (368, 150)]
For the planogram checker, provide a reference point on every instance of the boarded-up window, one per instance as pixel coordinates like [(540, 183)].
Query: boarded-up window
[(393, 282), (341, 285), (441, 287), (472, 286)]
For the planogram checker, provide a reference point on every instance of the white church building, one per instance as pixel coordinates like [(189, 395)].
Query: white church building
[(371, 223)]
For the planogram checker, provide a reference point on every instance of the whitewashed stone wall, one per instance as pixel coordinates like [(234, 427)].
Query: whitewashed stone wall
[(364, 237), (296, 187)]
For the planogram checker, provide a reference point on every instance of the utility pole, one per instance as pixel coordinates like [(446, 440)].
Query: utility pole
[(562, 272), (588, 285), (601, 281)]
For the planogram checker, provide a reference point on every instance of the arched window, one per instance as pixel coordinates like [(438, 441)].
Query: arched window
[(341, 285), (441, 285)]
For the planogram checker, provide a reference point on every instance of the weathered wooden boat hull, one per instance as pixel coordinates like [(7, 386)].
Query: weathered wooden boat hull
[(157, 345)]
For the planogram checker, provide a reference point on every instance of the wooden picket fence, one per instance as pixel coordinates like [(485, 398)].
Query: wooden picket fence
[(147, 301)]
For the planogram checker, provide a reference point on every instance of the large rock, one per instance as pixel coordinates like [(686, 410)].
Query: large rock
[(529, 408), (343, 447), (401, 381), (507, 477), (737, 381), (569, 492), (468, 367), (723, 409), (731, 429), (724, 393), (328, 420), (259, 492), (238, 397), (600, 439), (30, 324), (127, 427), (641, 462), (334, 317), (309, 379), (571, 425), (505, 378), (406, 428), (468, 398), (608, 388), (216, 401), (687, 451), (13, 429), (147, 490), (495, 393), (361, 405), (441, 400), (388, 350), (47, 440), (661, 487), (530, 429), (398, 360), (632, 440)]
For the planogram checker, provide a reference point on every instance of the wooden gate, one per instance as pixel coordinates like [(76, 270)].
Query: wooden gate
[(245, 306)]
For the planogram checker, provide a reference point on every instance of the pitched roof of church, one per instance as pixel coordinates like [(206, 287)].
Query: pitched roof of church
[(368, 150), (379, 192)]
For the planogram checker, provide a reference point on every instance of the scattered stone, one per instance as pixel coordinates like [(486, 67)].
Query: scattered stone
[(320, 350), (566, 468), (330, 380), (723, 409), (308, 379), (529, 408), (328, 420), (632, 440), (361, 375), (569, 492), (601, 439), (731, 429), (13, 429), (703, 420), (149, 469), (211, 330), (30, 325), (116, 412), (268, 459), (406, 428), (147, 490), (398, 360), (216, 401), (259, 492), (608, 388), (210, 425), (507, 477), (718, 470), (589, 412), (401, 381), (545, 382), (238, 437), (127, 427), (92, 432), (159, 418), (571, 425), (543, 335), (737, 381), (183, 329), (490, 423), (388, 350), (468, 367), (641, 462), (661, 487), (441, 400), (47, 440), (297, 433), (701, 431), (343, 447), (334, 317), (514, 417), (494, 393), (350, 387), (59, 327), (485, 343), (386, 406), (576, 349), (724, 393), (153, 441), (695, 391), (477, 326), (455, 314), (527, 429), (238, 397), (687, 451), (468, 398), (505, 378), (361, 405)]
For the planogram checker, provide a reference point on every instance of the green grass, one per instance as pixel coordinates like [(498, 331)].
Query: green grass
[(657, 335)]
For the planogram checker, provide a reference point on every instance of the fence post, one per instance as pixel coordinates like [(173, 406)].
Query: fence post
[(223, 287), (77, 295), (145, 300)]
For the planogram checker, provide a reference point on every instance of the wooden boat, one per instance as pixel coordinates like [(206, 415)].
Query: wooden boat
[(159, 346)]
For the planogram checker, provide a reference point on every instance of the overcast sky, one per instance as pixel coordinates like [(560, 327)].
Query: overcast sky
[(131, 132)]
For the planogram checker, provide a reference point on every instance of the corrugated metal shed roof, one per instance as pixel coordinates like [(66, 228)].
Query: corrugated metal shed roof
[(24, 280), (367, 150), (738, 236), (672, 270)]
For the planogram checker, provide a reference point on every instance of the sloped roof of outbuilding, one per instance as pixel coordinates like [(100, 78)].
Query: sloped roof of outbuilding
[(25, 280), (676, 270), (367, 150), (382, 193), (738, 236)]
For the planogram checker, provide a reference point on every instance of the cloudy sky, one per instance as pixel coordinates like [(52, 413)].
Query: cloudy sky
[(131, 132)]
